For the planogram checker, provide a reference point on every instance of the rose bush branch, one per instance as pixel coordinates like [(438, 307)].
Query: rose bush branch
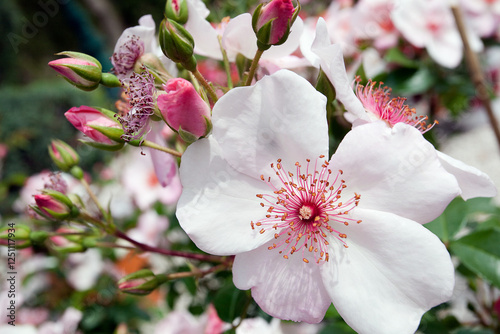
[(476, 73), (200, 257)]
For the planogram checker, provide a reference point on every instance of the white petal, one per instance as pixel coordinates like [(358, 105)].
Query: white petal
[(217, 203), (239, 37), (281, 116), (205, 36), (472, 182), (165, 165), (331, 61), (289, 289), (395, 170), (393, 271), (145, 31)]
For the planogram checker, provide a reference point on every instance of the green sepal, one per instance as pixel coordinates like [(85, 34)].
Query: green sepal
[(180, 17), (188, 137), (110, 80), (38, 237), (106, 147), (208, 124), (114, 134), (79, 55)]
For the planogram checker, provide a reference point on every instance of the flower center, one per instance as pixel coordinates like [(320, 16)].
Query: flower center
[(377, 102), (303, 208)]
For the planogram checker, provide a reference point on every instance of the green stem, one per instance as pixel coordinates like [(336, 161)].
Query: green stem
[(227, 67), (93, 197), (198, 273), (204, 83), (253, 67), (161, 148)]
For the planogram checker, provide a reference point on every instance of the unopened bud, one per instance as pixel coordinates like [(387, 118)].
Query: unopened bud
[(69, 240), (79, 69), (184, 110), (177, 44), (177, 10), (142, 282), (271, 22), (63, 155), (54, 205), (98, 124)]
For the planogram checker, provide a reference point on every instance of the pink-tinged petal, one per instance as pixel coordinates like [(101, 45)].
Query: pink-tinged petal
[(217, 203), (289, 289), (281, 116), (165, 165), (472, 182), (331, 61), (395, 170), (392, 272)]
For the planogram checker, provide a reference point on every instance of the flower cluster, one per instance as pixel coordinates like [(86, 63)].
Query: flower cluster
[(306, 182)]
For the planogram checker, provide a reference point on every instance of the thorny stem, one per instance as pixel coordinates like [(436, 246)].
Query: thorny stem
[(200, 257), (205, 84), (253, 67), (161, 148), (476, 73)]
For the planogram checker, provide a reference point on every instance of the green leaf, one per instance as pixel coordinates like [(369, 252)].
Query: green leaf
[(480, 252), (451, 220), (395, 55), (337, 328), (492, 222), (230, 302)]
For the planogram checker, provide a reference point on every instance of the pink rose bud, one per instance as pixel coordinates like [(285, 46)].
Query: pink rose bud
[(54, 205), (272, 22), (79, 69), (184, 110), (88, 120), (141, 282), (177, 10), (63, 155), (67, 240)]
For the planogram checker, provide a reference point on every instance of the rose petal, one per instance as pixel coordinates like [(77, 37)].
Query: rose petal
[(331, 61), (289, 289), (393, 271), (395, 170), (281, 116), (217, 203), (472, 182)]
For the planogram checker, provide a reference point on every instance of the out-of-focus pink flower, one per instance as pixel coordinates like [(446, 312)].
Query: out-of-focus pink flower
[(279, 14), (150, 228), (430, 24), (84, 117), (140, 180), (68, 323), (482, 15), (183, 109)]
